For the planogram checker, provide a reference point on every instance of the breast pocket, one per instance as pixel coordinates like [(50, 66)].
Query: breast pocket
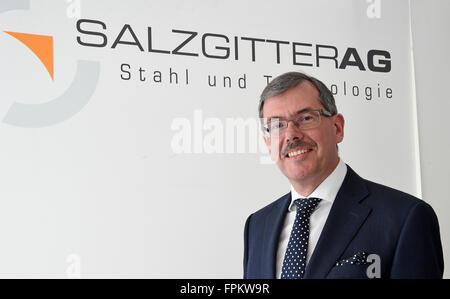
[(348, 272)]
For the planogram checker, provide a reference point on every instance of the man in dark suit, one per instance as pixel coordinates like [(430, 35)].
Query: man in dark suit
[(333, 223)]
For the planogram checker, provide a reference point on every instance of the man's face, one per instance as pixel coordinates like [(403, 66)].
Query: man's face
[(318, 154)]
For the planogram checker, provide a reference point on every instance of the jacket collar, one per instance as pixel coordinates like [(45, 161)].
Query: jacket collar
[(346, 216), (272, 229)]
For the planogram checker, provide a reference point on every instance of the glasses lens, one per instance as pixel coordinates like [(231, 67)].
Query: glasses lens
[(276, 126), (304, 120), (308, 119)]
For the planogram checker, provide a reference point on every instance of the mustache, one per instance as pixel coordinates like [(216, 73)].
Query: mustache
[(295, 144)]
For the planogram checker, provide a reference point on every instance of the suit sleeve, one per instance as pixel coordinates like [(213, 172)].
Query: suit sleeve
[(419, 251), (246, 245)]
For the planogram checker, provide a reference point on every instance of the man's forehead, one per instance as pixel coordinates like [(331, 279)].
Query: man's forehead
[(299, 98)]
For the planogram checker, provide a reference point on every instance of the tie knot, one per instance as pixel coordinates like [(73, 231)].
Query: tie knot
[(307, 205)]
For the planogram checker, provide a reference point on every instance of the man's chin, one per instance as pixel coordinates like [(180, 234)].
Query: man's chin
[(297, 175)]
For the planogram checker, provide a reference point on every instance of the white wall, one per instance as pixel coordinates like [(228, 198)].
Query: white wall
[(431, 42), (105, 190)]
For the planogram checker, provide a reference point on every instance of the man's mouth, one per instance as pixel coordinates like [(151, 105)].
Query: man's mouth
[(297, 153)]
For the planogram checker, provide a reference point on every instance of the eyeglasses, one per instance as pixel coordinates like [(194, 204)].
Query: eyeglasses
[(305, 120)]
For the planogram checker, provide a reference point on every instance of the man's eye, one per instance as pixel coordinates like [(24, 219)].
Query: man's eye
[(276, 125), (305, 118)]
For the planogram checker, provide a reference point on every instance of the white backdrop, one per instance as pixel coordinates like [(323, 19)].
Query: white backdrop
[(430, 22), (105, 174)]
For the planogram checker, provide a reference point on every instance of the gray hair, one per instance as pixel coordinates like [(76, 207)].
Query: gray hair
[(289, 80)]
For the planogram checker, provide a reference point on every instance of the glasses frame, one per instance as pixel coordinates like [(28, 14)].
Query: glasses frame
[(294, 118)]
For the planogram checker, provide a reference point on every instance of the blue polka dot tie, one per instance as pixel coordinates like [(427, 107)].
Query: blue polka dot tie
[(294, 263)]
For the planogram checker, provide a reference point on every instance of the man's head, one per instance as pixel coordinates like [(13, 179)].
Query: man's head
[(304, 145)]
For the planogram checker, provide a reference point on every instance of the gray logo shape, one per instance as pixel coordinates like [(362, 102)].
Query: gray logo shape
[(63, 107), (7, 5)]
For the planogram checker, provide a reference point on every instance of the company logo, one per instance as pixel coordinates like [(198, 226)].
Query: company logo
[(71, 101), (41, 45), (95, 33)]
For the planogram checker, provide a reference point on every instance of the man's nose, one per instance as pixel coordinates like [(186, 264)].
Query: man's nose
[(293, 131)]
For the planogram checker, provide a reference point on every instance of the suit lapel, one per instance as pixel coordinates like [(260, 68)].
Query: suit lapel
[(272, 228), (345, 218)]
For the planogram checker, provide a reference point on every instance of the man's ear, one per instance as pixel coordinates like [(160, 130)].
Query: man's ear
[(339, 123)]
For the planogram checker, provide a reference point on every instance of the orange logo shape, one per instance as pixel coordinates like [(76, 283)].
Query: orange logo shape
[(41, 45)]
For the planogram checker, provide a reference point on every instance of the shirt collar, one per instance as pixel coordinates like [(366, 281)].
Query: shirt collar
[(328, 189)]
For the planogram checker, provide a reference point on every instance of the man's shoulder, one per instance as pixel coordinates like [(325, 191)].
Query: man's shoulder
[(386, 203), (388, 196), (394, 203)]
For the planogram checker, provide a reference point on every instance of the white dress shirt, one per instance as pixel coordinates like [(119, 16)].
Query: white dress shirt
[(326, 191)]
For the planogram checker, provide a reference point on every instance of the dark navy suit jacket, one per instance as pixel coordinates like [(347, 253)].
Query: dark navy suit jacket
[(365, 217)]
